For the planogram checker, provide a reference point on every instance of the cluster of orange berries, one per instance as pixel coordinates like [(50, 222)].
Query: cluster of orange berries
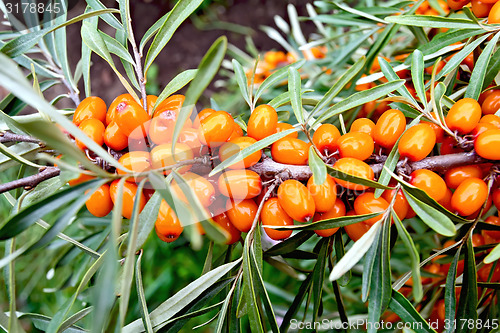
[(480, 8)]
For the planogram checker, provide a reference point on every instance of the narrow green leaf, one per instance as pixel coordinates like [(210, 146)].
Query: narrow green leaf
[(146, 321), (493, 69), (276, 78), (294, 89), (317, 166), (108, 18), (445, 39), (389, 165), (241, 79), (417, 75), (467, 306), (354, 179), (403, 308), (297, 302), (391, 75), (432, 21), (290, 244), (336, 222), (147, 219), (319, 276), (252, 298), (116, 48), (152, 31), (493, 255), (178, 82), (449, 291), (368, 267)]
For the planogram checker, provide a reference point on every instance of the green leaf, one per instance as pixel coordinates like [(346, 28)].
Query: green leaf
[(61, 47), (12, 155), (355, 253), (276, 78), (417, 75), (142, 298), (368, 267), (449, 291), (389, 165), (116, 48), (241, 79), (445, 39), (290, 244), (478, 74), (436, 220), (338, 244), (391, 75), (328, 223), (467, 306), (41, 322), (403, 308), (294, 89), (355, 179), (360, 98), (152, 31), (432, 21), (181, 11), (317, 166), (147, 219), (493, 255), (493, 69), (108, 18), (178, 82), (319, 277), (297, 302), (252, 300)]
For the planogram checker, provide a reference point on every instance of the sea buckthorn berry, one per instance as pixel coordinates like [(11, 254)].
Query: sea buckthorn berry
[(131, 118), (337, 210), (172, 103), (324, 195), (240, 184), (90, 108), (354, 167), (363, 125), (161, 131), (161, 156), (137, 161), (202, 115), (449, 146), (481, 128), (83, 177), (495, 220), (216, 129), (486, 144), (325, 138), (355, 144), (366, 203), (189, 136), (357, 230), (429, 182), (296, 200), (456, 5), (236, 145), (273, 214), (477, 240), (463, 115), (290, 151), (492, 103), (481, 8), (491, 119), (110, 116), (417, 142), (469, 196), (167, 225), (237, 132), (128, 199), (114, 138), (94, 129), (263, 122), (446, 201), (457, 175), (225, 223), (389, 128), (281, 127), (494, 15), (469, 60), (485, 272), (202, 188), (99, 203), (401, 205), (496, 198), (241, 213), (438, 130)]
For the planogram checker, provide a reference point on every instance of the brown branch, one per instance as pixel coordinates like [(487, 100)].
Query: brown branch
[(11, 137), (31, 181)]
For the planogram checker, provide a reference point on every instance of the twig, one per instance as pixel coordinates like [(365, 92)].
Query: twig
[(31, 181), (138, 68), (11, 137)]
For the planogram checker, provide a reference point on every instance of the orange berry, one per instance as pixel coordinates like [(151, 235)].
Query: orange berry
[(469, 196), (110, 116), (161, 156), (281, 127), (363, 125), (240, 184), (389, 127), (324, 194), (494, 15), (366, 203), (337, 210), (455, 176), (401, 205), (325, 138), (273, 214), (167, 225), (263, 122), (132, 119), (90, 108), (446, 201), (161, 131), (237, 132), (449, 146), (481, 8), (225, 223), (128, 198), (216, 129), (202, 188), (429, 182), (477, 240), (491, 104), (357, 230), (137, 161), (354, 167), (496, 198), (464, 115), (417, 142), (491, 119), (202, 115), (189, 136), (80, 179), (486, 144), (355, 144), (172, 103), (494, 220), (94, 129), (241, 213), (114, 138), (457, 5), (99, 203), (236, 145), (290, 151), (296, 200), (481, 128)]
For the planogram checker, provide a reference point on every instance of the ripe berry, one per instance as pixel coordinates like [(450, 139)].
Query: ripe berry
[(486, 144), (240, 184), (389, 128), (481, 128), (337, 210), (496, 198), (94, 129), (90, 108), (202, 115), (429, 182), (202, 188), (132, 119), (114, 138), (494, 15), (236, 145), (324, 195), (137, 161), (463, 115), (481, 8), (363, 125), (296, 200), (80, 179), (161, 156), (449, 146), (492, 103), (216, 129), (241, 213), (172, 103), (325, 138), (161, 131), (223, 221), (446, 201), (355, 144), (366, 203), (237, 132), (417, 142), (455, 176), (128, 199), (357, 230), (274, 215), (281, 127), (189, 136), (99, 203), (469, 196), (401, 206), (263, 122), (457, 5), (290, 151), (110, 116), (495, 234), (354, 167), (167, 225), (491, 119)]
